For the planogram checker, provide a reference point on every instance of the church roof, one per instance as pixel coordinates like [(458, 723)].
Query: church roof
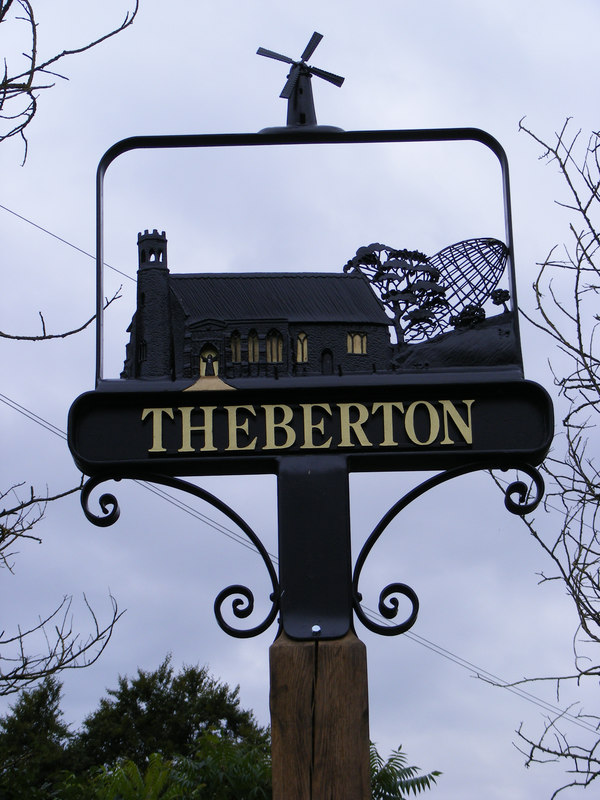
[(305, 297)]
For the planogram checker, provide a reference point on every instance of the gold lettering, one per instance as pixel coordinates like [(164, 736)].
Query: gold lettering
[(356, 426), (283, 424), (388, 421), (234, 425), (157, 415), (434, 422), (310, 425), (464, 428), (425, 421), (187, 428)]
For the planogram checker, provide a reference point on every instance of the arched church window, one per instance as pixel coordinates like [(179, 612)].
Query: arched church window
[(357, 343), (301, 348), (252, 347), (235, 344), (274, 347)]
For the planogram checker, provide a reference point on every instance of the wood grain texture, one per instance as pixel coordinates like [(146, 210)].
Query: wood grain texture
[(319, 719)]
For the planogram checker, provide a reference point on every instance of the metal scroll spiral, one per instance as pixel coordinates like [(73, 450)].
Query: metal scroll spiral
[(527, 501), (107, 502), (242, 598)]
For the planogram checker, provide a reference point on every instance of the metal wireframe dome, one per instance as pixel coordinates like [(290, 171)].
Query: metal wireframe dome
[(426, 294), (471, 271)]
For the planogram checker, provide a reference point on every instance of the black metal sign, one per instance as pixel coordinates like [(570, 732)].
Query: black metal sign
[(382, 427), (400, 361)]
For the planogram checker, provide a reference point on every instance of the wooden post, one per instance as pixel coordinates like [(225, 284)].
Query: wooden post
[(319, 719), (319, 697)]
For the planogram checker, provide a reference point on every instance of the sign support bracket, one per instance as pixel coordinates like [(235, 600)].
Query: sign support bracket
[(314, 547)]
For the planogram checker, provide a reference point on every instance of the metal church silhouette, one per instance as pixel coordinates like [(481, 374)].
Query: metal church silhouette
[(253, 328)]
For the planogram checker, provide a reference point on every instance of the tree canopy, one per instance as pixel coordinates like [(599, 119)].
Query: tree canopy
[(33, 743), (163, 712), (160, 735)]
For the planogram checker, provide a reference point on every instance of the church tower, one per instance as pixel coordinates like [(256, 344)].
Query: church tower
[(153, 334)]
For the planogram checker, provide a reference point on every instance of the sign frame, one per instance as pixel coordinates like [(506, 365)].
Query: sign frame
[(291, 137)]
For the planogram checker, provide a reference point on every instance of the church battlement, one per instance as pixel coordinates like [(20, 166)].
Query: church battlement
[(152, 249)]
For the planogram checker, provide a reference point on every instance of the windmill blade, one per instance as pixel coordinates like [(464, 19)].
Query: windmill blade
[(311, 46), (262, 51), (328, 76), (292, 80)]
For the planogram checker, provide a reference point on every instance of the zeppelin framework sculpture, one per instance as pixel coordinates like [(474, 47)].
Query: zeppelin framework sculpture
[(401, 361)]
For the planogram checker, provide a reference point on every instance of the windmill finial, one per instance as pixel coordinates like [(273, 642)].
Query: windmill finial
[(298, 90)]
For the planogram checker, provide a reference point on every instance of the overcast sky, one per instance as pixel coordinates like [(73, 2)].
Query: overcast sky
[(191, 67)]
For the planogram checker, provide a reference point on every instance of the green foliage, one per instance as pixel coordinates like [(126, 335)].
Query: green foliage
[(225, 770), (125, 782), (33, 741), (71, 787), (159, 712), (393, 779), (221, 769), (158, 736)]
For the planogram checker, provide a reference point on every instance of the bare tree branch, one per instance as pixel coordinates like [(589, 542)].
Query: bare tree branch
[(45, 336), (64, 649), (566, 294), (51, 644), (19, 89), (16, 523)]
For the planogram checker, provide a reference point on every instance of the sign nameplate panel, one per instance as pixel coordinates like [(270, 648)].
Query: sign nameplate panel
[(377, 428)]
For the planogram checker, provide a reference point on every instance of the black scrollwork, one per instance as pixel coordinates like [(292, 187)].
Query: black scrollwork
[(388, 608), (390, 611), (526, 501), (108, 504), (242, 606)]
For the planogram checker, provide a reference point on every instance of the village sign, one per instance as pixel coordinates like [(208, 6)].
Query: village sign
[(401, 361)]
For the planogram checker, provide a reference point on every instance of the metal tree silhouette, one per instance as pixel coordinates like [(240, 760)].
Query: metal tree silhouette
[(425, 294)]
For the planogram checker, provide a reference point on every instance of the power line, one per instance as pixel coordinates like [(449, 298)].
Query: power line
[(231, 534), (483, 674), (33, 417), (219, 527), (64, 241), (488, 677)]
